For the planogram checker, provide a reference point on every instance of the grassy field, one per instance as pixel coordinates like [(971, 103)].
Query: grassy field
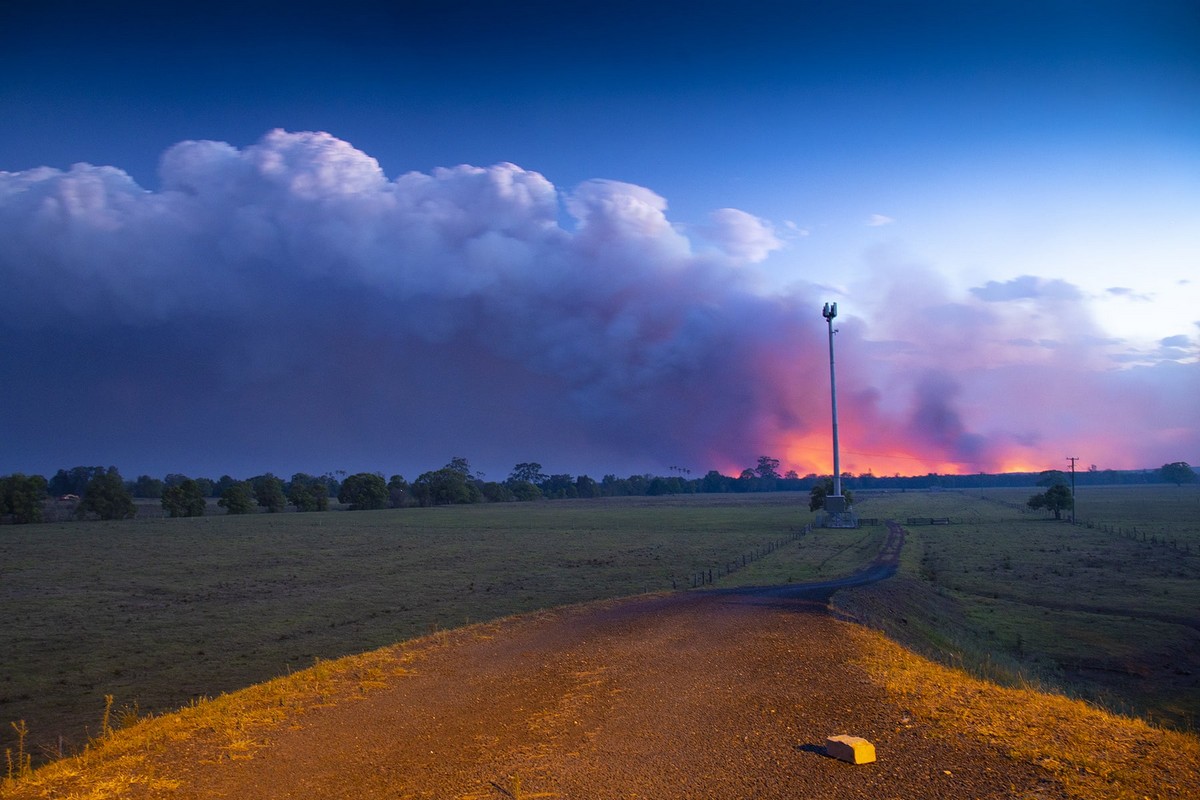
[(1096, 611), (159, 611)]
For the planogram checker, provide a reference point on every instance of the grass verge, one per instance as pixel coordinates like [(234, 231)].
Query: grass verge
[(1021, 599), (1095, 754), (153, 757)]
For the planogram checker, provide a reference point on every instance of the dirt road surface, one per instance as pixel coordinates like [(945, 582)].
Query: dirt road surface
[(726, 694), (699, 695)]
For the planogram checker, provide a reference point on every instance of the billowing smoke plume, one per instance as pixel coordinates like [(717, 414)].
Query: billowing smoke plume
[(286, 306)]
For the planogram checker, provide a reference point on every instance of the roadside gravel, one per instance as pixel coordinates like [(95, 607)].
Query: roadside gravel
[(691, 695)]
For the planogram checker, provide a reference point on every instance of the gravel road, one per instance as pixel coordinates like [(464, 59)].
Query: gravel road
[(696, 695), (726, 694)]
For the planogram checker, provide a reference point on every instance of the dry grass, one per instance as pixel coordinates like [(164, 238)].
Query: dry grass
[(1095, 754), (127, 761)]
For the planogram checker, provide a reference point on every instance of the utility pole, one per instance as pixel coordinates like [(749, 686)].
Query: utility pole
[(838, 504), (1072, 459)]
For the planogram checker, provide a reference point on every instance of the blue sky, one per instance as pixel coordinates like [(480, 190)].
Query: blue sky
[(1002, 197)]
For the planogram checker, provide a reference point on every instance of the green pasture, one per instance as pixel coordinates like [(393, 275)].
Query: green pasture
[(158, 611), (820, 555), (1156, 511), (1090, 608)]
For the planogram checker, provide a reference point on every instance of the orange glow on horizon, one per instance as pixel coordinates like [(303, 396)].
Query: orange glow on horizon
[(811, 452), (806, 453), (1019, 465)]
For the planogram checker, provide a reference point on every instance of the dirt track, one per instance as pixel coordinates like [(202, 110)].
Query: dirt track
[(725, 694), (705, 694)]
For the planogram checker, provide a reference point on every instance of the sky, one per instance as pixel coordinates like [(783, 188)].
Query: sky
[(375, 236)]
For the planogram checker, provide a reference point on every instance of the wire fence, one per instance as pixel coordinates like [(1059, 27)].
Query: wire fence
[(710, 574)]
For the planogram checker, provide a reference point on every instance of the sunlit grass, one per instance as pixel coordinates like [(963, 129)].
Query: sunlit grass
[(1095, 754), (1016, 596), (232, 726)]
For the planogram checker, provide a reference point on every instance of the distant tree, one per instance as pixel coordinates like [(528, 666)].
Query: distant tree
[(184, 499), (399, 492), (206, 486), (817, 495), (73, 481), (612, 486), (586, 487), (174, 479), (1055, 499), (237, 498), (1178, 473), (524, 491), (268, 492), (308, 493), (638, 485), (106, 496), (223, 483), (150, 488), (768, 468), (23, 496), (659, 486), (452, 484), (559, 487), (459, 464), (495, 492), (791, 482), (821, 490), (715, 482), (364, 491), (332, 485), (1052, 477), (530, 472)]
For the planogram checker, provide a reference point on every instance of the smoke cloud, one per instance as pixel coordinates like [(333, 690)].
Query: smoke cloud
[(288, 307)]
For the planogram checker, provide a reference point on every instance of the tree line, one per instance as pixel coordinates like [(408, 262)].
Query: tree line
[(101, 492)]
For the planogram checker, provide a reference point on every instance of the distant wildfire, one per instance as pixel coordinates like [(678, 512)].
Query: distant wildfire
[(287, 304)]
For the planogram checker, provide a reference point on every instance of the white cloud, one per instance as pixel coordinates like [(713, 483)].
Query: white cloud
[(879, 220), (744, 237), (1027, 287), (794, 230)]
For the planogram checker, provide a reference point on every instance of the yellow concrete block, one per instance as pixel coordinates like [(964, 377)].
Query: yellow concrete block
[(852, 749)]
